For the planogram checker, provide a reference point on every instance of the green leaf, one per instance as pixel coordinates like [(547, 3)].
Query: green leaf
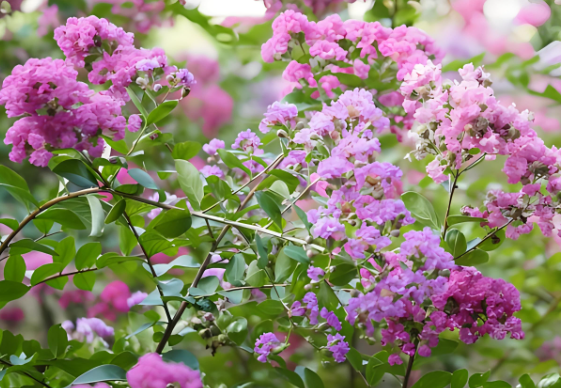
[(284, 267), (271, 308), (45, 271), (421, 209), (84, 280), (102, 373), (343, 274), (350, 80), (326, 297), (44, 226), (97, 216), (10, 290), (66, 250), (116, 211), (186, 150), (355, 358), (493, 242), (10, 223), (154, 243), (112, 258), (525, 382), (173, 222), (143, 178), (232, 161), (15, 269), (237, 330), (478, 379), (456, 241), (161, 112), (182, 356), (303, 217), (127, 240), (497, 384), (254, 276), (551, 380), (190, 182), (453, 220), (235, 270), (136, 101), (290, 376), (27, 245), (477, 256), (76, 172), (207, 286), (297, 253), (64, 217), (291, 181), (87, 254), (57, 338), (311, 379), (16, 186), (459, 378), (269, 205), (445, 346), (263, 257), (436, 379)]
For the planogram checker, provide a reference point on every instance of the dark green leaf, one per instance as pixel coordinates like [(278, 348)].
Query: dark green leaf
[(161, 112), (297, 253), (284, 267), (136, 101), (263, 256), (16, 186), (459, 63), (343, 274), (173, 223), (311, 379), (76, 172), (10, 223), (182, 356), (497, 384), (326, 297), (116, 211), (493, 242), (27, 245), (355, 359), (269, 205), (303, 217), (45, 271), (436, 379), (154, 243), (290, 376), (143, 178), (477, 256), (64, 217), (456, 241), (102, 373)]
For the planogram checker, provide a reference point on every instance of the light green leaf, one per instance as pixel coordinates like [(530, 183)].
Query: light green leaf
[(97, 216), (477, 256), (421, 209), (85, 280), (66, 250), (173, 222), (116, 211), (186, 150), (459, 379), (161, 112), (10, 290), (190, 182), (87, 254), (232, 161), (235, 270), (436, 379)]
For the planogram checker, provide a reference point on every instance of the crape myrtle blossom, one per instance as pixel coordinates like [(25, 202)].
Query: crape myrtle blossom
[(59, 111), (88, 329), (152, 371), (406, 46), (465, 121), (266, 344)]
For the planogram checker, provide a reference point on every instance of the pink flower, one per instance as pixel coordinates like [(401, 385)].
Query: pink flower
[(152, 372), (264, 345)]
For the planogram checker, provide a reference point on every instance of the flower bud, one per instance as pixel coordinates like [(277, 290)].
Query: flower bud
[(309, 239), (157, 87), (142, 82), (308, 287), (185, 92), (310, 253), (282, 133)]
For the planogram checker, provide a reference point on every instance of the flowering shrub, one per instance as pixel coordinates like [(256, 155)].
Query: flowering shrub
[(298, 233)]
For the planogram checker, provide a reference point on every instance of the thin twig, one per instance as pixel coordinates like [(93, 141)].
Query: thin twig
[(61, 275), (409, 368)]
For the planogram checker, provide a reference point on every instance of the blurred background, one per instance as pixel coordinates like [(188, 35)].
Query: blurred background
[(519, 42)]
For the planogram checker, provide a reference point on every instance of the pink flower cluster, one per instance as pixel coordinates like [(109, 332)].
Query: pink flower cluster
[(406, 285), (153, 372), (87, 329), (318, 7), (59, 112), (465, 121), (407, 46)]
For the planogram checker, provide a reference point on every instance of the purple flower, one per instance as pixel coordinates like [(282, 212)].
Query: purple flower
[(264, 345), (213, 146), (278, 114), (135, 122), (212, 170), (185, 78), (337, 345), (334, 167), (136, 298), (315, 273), (331, 318), (248, 142)]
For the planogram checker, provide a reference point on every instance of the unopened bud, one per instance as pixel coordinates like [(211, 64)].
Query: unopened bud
[(394, 233), (308, 287), (185, 92), (157, 87), (282, 133), (310, 253), (142, 82)]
